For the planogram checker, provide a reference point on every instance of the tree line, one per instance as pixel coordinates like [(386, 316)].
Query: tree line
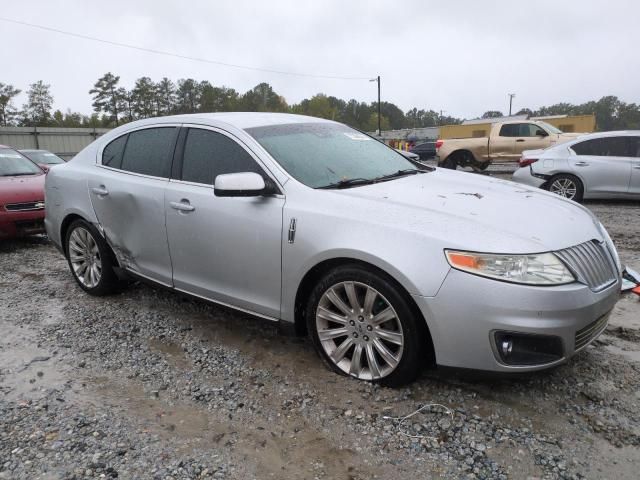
[(115, 105)]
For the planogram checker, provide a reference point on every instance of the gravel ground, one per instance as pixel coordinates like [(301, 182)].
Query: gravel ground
[(146, 384)]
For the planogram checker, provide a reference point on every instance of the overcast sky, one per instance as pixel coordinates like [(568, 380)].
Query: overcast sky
[(463, 57)]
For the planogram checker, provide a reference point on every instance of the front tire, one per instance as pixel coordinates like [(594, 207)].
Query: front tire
[(90, 259), (362, 325), (567, 186)]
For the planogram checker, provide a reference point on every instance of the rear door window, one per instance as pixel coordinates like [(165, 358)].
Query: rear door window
[(510, 130), (208, 154), (605, 147), (150, 151)]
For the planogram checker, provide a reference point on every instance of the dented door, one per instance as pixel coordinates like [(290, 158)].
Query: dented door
[(130, 209)]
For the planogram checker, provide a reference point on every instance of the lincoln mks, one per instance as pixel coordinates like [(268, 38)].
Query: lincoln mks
[(386, 264)]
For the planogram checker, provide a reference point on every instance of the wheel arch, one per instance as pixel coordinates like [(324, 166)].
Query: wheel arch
[(313, 275), (64, 227)]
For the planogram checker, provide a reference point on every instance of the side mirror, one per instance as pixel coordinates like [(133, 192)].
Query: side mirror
[(541, 133), (245, 184)]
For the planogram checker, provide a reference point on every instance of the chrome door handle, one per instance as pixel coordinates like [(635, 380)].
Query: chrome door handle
[(182, 206), (100, 191), (637, 166), (582, 164)]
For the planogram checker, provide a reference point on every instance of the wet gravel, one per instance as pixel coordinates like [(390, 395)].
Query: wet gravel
[(146, 384)]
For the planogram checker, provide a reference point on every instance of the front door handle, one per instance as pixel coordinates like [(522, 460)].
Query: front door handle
[(182, 206), (520, 140), (101, 191), (582, 164)]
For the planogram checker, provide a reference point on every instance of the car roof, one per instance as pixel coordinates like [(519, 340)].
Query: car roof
[(242, 120), (33, 150), (615, 133)]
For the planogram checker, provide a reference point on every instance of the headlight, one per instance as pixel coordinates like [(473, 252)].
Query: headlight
[(535, 269), (611, 247)]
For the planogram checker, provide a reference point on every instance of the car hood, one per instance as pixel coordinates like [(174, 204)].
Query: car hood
[(27, 188), (475, 212)]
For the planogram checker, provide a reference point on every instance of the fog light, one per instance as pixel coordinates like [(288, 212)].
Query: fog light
[(507, 347), (515, 348)]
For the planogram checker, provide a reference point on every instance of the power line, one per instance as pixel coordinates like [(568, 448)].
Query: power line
[(176, 55)]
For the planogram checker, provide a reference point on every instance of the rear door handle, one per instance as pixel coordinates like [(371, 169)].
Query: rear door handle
[(582, 164), (182, 206), (101, 191), (637, 166), (520, 140)]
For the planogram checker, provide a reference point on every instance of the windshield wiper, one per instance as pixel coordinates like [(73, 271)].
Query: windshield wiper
[(399, 173), (18, 174), (351, 182)]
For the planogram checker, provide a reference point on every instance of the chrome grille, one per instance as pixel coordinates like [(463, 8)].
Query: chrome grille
[(25, 206), (590, 332), (591, 263)]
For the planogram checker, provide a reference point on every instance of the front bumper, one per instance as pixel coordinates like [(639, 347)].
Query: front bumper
[(469, 309), (523, 175), (21, 224)]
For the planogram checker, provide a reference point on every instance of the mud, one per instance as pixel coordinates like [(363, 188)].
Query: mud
[(187, 390)]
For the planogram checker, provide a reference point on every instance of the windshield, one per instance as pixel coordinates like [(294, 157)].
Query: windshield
[(550, 128), (42, 156), (323, 154), (12, 163)]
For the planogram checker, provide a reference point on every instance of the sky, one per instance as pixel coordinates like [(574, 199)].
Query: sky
[(460, 56)]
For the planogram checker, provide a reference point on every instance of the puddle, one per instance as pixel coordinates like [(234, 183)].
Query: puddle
[(26, 371), (174, 352)]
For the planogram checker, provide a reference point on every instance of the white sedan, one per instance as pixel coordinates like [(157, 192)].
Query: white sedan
[(598, 165)]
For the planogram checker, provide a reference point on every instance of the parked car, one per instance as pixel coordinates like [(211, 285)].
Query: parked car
[(426, 150), (505, 143), (386, 264), (21, 195), (44, 158), (598, 165)]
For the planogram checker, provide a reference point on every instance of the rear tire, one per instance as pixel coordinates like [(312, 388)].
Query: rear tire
[(567, 186), (450, 162), (90, 259), (361, 325)]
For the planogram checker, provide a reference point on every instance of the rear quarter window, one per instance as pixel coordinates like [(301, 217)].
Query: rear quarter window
[(112, 153)]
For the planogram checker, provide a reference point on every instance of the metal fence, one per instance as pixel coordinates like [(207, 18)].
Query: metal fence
[(64, 142)]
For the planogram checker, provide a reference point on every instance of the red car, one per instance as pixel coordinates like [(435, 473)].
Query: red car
[(21, 195)]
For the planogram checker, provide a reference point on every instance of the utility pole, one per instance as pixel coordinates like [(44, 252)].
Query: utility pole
[(511, 95), (377, 79)]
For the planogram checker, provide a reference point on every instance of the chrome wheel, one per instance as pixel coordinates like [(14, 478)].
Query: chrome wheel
[(359, 330), (84, 257), (565, 187)]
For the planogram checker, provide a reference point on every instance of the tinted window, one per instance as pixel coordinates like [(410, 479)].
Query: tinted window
[(150, 151), (509, 130), (635, 146), (208, 154), (112, 153), (529, 130), (604, 147)]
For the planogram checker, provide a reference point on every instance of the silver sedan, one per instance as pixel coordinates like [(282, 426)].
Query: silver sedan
[(385, 264), (599, 165)]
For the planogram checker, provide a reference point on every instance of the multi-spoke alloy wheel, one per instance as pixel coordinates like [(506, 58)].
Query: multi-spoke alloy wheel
[(90, 259), (359, 330), (84, 257), (565, 187), (364, 324)]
